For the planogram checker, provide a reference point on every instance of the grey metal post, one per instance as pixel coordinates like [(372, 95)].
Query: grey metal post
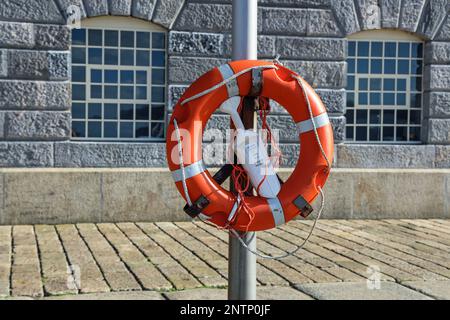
[(241, 263)]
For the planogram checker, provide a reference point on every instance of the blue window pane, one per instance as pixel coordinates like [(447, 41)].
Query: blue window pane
[(111, 92), (126, 130), (111, 56), (402, 116), (416, 67), (350, 83), (111, 76), (414, 134), (349, 134), (111, 38), (79, 55), (126, 76), (127, 57), (110, 111), (377, 49), (363, 84), (96, 76), (375, 99), (143, 39), (78, 74), (126, 112), (389, 85), (78, 36), (417, 50), (375, 116), (363, 66), (141, 93), (142, 58), (141, 77), (401, 99), (390, 49), (416, 100), (375, 84), (350, 100), (158, 76), (402, 134), (351, 48), (126, 92), (95, 56), (110, 129), (158, 94), (363, 49), (95, 38), (416, 84), (78, 111), (94, 111), (375, 134), (361, 116), (78, 129), (361, 133), (401, 84), (142, 129), (351, 66), (403, 50), (388, 133), (403, 67), (142, 112), (376, 66), (388, 116), (158, 59), (158, 40), (94, 129), (157, 130), (350, 116), (389, 99), (127, 39), (157, 112), (78, 92), (96, 92), (362, 99), (390, 66)]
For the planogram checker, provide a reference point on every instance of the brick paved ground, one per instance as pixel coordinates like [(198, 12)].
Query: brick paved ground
[(189, 260)]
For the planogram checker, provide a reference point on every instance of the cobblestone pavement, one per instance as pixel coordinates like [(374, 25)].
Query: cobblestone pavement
[(356, 259)]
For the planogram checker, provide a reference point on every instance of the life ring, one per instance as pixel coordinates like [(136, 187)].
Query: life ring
[(196, 106)]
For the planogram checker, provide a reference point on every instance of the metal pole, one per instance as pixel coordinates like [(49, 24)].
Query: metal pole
[(242, 263)]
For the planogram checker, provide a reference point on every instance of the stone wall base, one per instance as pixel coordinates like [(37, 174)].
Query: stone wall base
[(58, 196)]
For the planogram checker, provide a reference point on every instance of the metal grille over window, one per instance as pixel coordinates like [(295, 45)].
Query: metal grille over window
[(118, 84), (384, 91)]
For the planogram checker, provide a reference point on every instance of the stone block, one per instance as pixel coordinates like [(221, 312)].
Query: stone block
[(26, 154), (320, 74), (345, 12), (338, 124), (143, 9), (334, 100), (66, 4), (166, 12), (439, 131), (385, 156), (196, 44), (187, 70), (437, 53), (30, 11), (266, 46), (33, 94), (437, 105), (433, 14), (437, 77), (443, 159), (119, 7), (85, 154), (175, 93), (311, 48), (2, 125), (390, 13), (444, 33), (37, 125), (369, 14), (410, 14), (96, 8), (3, 63), (52, 37), (204, 17), (16, 35), (322, 23)]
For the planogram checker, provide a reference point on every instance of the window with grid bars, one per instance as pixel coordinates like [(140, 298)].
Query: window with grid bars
[(118, 82), (384, 91)]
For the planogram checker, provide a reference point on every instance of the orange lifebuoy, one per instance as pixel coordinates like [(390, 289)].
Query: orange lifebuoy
[(197, 105)]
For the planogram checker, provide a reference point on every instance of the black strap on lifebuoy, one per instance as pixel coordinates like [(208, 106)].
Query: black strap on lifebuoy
[(197, 207), (304, 207)]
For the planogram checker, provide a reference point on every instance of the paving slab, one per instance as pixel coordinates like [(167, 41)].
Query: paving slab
[(197, 294), (280, 293), (133, 295), (436, 289), (360, 291)]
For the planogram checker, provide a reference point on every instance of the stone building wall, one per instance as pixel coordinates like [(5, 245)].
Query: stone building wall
[(309, 35)]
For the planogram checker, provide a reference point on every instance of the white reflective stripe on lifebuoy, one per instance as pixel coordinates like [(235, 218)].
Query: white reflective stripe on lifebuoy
[(307, 125), (234, 209), (189, 171), (232, 85), (277, 211)]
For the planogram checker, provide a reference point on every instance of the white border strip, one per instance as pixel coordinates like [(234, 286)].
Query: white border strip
[(307, 125), (232, 85), (277, 211), (190, 171)]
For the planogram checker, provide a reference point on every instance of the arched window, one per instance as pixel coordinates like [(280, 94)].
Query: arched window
[(118, 80), (384, 87)]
